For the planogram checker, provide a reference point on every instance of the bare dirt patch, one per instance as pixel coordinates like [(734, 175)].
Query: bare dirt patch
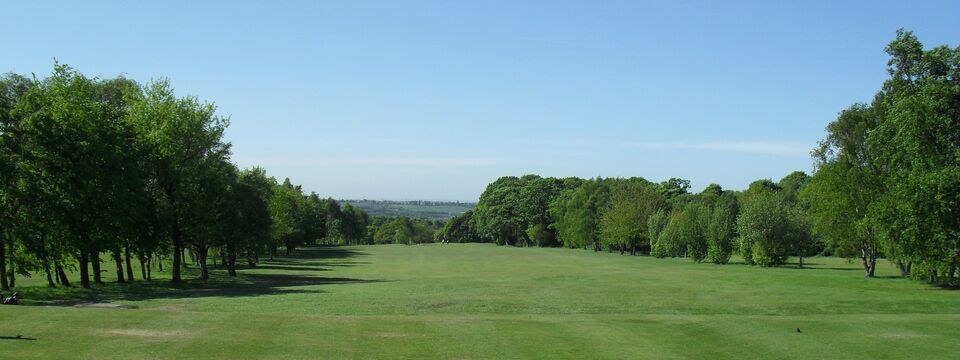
[(104, 305), (387, 335), (144, 333)]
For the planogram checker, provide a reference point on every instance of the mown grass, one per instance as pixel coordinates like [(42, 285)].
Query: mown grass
[(475, 301)]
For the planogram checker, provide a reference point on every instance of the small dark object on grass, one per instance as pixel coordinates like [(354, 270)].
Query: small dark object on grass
[(798, 330), (12, 300)]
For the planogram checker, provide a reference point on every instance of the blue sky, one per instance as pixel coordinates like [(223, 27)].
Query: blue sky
[(433, 100)]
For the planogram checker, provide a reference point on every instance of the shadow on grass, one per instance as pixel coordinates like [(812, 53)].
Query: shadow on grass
[(248, 283), (285, 268), (18, 337)]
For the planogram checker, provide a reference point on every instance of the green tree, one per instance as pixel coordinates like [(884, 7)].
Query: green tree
[(721, 229), (624, 224), (769, 229), (181, 134)]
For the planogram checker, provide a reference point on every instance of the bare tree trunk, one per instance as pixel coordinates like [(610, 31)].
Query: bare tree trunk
[(62, 275), (177, 247), (143, 268), (84, 269), (95, 261), (3, 263), (183, 259), (232, 264), (868, 255), (45, 259), (126, 252), (12, 261), (116, 259), (202, 260), (904, 267)]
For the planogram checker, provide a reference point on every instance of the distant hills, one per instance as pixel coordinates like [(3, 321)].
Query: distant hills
[(420, 209)]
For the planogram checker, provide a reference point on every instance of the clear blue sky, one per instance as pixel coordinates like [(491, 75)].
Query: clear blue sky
[(433, 100)]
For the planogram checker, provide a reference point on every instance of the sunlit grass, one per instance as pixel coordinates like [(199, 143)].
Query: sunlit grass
[(483, 301)]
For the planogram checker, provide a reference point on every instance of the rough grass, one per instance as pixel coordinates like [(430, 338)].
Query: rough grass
[(475, 301)]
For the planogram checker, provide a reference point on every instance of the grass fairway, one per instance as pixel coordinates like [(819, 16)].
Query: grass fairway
[(476, 301)]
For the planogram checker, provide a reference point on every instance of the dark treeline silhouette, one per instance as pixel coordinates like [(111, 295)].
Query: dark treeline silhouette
[(886, 185)]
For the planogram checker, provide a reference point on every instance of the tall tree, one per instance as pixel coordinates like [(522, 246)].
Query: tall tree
[(182, 133)]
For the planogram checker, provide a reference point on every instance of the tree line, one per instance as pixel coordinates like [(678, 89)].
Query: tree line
[(93, 166), (886, 184)]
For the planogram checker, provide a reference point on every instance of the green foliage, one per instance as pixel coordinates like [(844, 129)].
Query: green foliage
[(671, 241), (691, 226), (769, 229), (623, 225), (656, 225), (886, 182), (576, 211), (721, 229), (460, 229), (511, 206), (404, 231), (90, 166)]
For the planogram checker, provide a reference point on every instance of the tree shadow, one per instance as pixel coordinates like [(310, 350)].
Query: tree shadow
[(324, 252), (18, 337), (245, 284), (287, 268)]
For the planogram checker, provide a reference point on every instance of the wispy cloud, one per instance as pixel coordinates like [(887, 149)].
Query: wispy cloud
[(775, 148), (372, 161), (787, 149)]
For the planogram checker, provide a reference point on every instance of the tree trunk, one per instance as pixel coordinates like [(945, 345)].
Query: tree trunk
[(143, 267), (904, 267), (202, 260), (95, 261), (868, 255), (45, 259), (3, 263), (116, 259), (62, 275), (126, 251), (84, 269), (953, 269), (232, 264), (12, 261), (177, 246)]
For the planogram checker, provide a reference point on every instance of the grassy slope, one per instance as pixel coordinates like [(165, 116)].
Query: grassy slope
[(481, 301)]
